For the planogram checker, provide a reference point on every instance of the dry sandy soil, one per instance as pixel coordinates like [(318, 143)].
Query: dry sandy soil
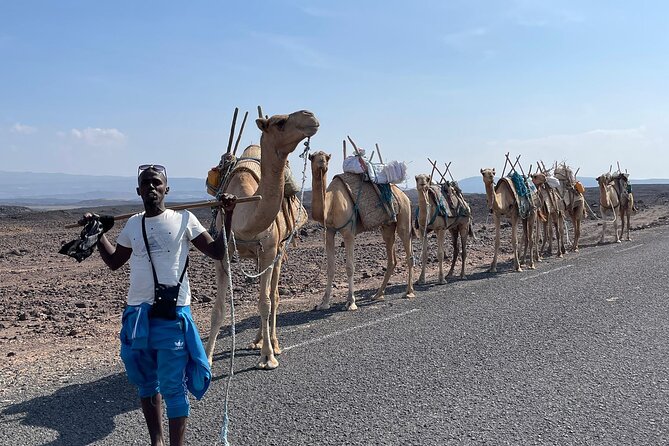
[(59, 315)]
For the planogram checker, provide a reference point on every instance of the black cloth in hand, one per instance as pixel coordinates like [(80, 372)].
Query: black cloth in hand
[(84, 246)]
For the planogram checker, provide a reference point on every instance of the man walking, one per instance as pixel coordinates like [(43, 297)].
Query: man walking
[(160, 344)]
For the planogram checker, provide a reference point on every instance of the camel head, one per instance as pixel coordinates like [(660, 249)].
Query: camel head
[(604, 179), (538, 179), (284, 132), (422, 182), (488, 175), (319, 162)]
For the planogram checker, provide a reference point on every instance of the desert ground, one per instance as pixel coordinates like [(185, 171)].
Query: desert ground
[(60, 316)]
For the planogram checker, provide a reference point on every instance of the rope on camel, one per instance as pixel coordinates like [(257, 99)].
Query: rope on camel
[(289, 239), (225, 428)]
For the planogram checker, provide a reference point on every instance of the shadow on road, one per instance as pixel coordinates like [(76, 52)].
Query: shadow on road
[(82, 413)]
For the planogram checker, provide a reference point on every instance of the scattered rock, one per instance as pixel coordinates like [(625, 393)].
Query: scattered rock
[(80, 305), (10, 354)]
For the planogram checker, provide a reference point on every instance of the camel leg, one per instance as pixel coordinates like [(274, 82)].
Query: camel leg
[(388, 233), (558, 238), (423, 255), (615, 227), (218, 311), (454, 240), (440, 254), (464, 235), (493, 265), (349, 244), (274, 309), (267, 359), (514, 243), (531, 224), (577, 233), (405, 237), (601, 238), (330, 255), (628, 225)]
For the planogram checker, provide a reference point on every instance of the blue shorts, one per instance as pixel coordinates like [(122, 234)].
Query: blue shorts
[(161, 367)]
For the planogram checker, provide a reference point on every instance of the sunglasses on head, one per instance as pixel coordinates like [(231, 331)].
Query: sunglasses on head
[(155, 167)]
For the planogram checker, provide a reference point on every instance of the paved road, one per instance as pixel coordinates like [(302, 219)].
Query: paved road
[(574, 352)]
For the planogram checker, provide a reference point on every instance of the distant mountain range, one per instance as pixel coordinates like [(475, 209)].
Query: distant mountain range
[(57, 189)]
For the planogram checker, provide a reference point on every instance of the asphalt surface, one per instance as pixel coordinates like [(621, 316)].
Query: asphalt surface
[(572, 353)]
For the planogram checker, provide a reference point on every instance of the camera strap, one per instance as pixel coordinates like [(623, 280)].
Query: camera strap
[(148, 251)]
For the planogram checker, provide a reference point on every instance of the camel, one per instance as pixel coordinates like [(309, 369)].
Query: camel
[(621, 185), (552, 210), (609, 204), (335, 210), (260, 229), (573, 199), (502, 202), (431, 220)]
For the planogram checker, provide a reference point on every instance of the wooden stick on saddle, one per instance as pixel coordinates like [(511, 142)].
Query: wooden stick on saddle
[(378, 150), (239, 136), (505, 162), (434, 167), (374, 185), (232, 130), (260, 112), (448, 170), (180, 207), (343, 142)]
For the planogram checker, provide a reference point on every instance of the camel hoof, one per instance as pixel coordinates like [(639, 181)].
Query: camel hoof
[(618, 241), (322, 307), (441, 282), (351, 306), (410, 295), (531, 267), (255, 345), (421, 281), (268, 363), (277, 349), (379, 298), (492, 270)]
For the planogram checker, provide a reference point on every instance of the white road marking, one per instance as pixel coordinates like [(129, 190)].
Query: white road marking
[(630, 248), (357, 327), (546, 272), (612, 299)]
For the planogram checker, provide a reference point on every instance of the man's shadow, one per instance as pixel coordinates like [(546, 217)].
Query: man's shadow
[(81, 413)]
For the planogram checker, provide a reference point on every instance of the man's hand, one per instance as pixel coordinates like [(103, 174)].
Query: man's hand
[(107, 221), (229, 202)]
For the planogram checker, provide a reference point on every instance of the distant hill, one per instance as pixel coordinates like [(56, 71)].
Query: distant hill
[(65, 190), (40, 189)]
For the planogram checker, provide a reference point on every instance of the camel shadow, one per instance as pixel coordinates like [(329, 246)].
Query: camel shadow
[(81, 414)]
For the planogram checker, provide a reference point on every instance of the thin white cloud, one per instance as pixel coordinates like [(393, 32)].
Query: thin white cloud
[(98, 136), (462, 39), (300, 52), (320, 12), (23, 129), (535, 14)]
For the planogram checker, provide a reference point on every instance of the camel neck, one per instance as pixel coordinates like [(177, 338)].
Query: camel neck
[(318, 195)]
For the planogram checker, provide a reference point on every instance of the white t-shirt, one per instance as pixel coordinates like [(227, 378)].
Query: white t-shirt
[(169, 236)]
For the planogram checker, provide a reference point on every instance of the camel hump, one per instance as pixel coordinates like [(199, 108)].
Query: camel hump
[(252, 151)]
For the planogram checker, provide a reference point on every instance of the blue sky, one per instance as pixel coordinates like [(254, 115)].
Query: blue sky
[(100, 87)]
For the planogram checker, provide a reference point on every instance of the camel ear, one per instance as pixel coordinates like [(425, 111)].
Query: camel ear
[(493, 171), (262, 124), (311, 157), (328, 156)]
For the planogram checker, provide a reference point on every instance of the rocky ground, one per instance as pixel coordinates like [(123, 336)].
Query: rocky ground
[(59, 315)]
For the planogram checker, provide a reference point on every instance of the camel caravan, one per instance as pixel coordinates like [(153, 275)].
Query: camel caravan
[(365, 197)]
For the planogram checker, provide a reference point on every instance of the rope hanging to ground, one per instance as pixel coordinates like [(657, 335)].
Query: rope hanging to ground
[(225, 428)]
